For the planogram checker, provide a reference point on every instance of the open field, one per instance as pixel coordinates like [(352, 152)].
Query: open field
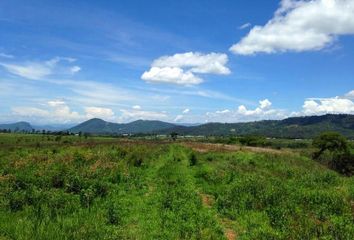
[(111, 188)]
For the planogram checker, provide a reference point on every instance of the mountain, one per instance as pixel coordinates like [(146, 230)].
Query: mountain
[(295, 127), (99, 126), (17, 127), (54, 127)]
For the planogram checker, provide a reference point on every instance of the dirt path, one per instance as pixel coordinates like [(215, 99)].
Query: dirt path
[(217, 147), (208, 202)]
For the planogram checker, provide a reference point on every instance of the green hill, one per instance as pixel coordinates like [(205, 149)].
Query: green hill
[(17, 127), (295, 127), (99, 126)]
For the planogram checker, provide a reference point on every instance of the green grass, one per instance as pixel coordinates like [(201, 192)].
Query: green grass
[(152, 190)]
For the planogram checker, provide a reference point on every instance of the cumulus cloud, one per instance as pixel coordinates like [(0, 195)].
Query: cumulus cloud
[(171, 75), (242, 113), (328, 105), (57, 111), (39, 70), (75, 69), (136, 107), (99, 112), (182, 68), (300, 26), (350, 95), (185, 111), (136, 114)]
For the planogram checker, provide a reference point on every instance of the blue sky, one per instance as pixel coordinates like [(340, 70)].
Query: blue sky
[(177, 61)]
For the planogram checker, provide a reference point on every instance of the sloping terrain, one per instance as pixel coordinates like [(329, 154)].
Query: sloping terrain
[(17, 127), (99, 126), (297, 127)]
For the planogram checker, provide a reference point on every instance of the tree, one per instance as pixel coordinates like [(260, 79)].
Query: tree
[(86, 135), (336, 150), (174, 136), (330, 141)]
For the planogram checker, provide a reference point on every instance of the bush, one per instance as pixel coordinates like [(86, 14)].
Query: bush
[(86, 197), (74, 185), (192, 159), (16, 201), (333, 150), (58, 180), (255, 141), (114, 214), (100, 189)]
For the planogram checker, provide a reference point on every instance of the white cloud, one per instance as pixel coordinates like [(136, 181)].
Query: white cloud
[(264, 104), (350, 95), (171, 75), (185, 111), (32, 71), (30, 112), (328, 105), (99, 112), (182, 67), (75, 69), (56, 103), (57, 111), (244, 26), (178, 118), (300, 26), (242, 114), (136, 114), (181, 117), (213, 63), (40, 70), (223, 111), (4, 55)]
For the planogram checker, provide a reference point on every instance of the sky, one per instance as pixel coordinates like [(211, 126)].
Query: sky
[(197, 61)]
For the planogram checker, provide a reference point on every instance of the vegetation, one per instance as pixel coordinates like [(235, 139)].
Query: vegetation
[(333, 149), (296, 127), (292, 128), (110, 188)]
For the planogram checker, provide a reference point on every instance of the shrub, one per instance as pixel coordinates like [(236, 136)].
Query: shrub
[(74, 185), (192, 159), (256, 141), (16, 201), (100, 189), (86, 197), (58, 180), (333, 150), (114, 214)]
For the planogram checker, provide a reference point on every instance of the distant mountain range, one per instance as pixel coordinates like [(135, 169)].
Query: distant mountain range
[(19, 126), (98, 126), (295, 127)]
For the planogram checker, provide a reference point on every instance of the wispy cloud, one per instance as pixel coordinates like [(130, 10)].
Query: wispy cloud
[(4, 55), (244, 26), (40, 70)]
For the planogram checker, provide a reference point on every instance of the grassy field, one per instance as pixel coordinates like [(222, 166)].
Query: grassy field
[(106, 188)]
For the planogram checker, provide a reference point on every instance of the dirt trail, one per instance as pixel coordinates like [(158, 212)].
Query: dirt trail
[(230, 234), (208, 202), (217, 147)]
